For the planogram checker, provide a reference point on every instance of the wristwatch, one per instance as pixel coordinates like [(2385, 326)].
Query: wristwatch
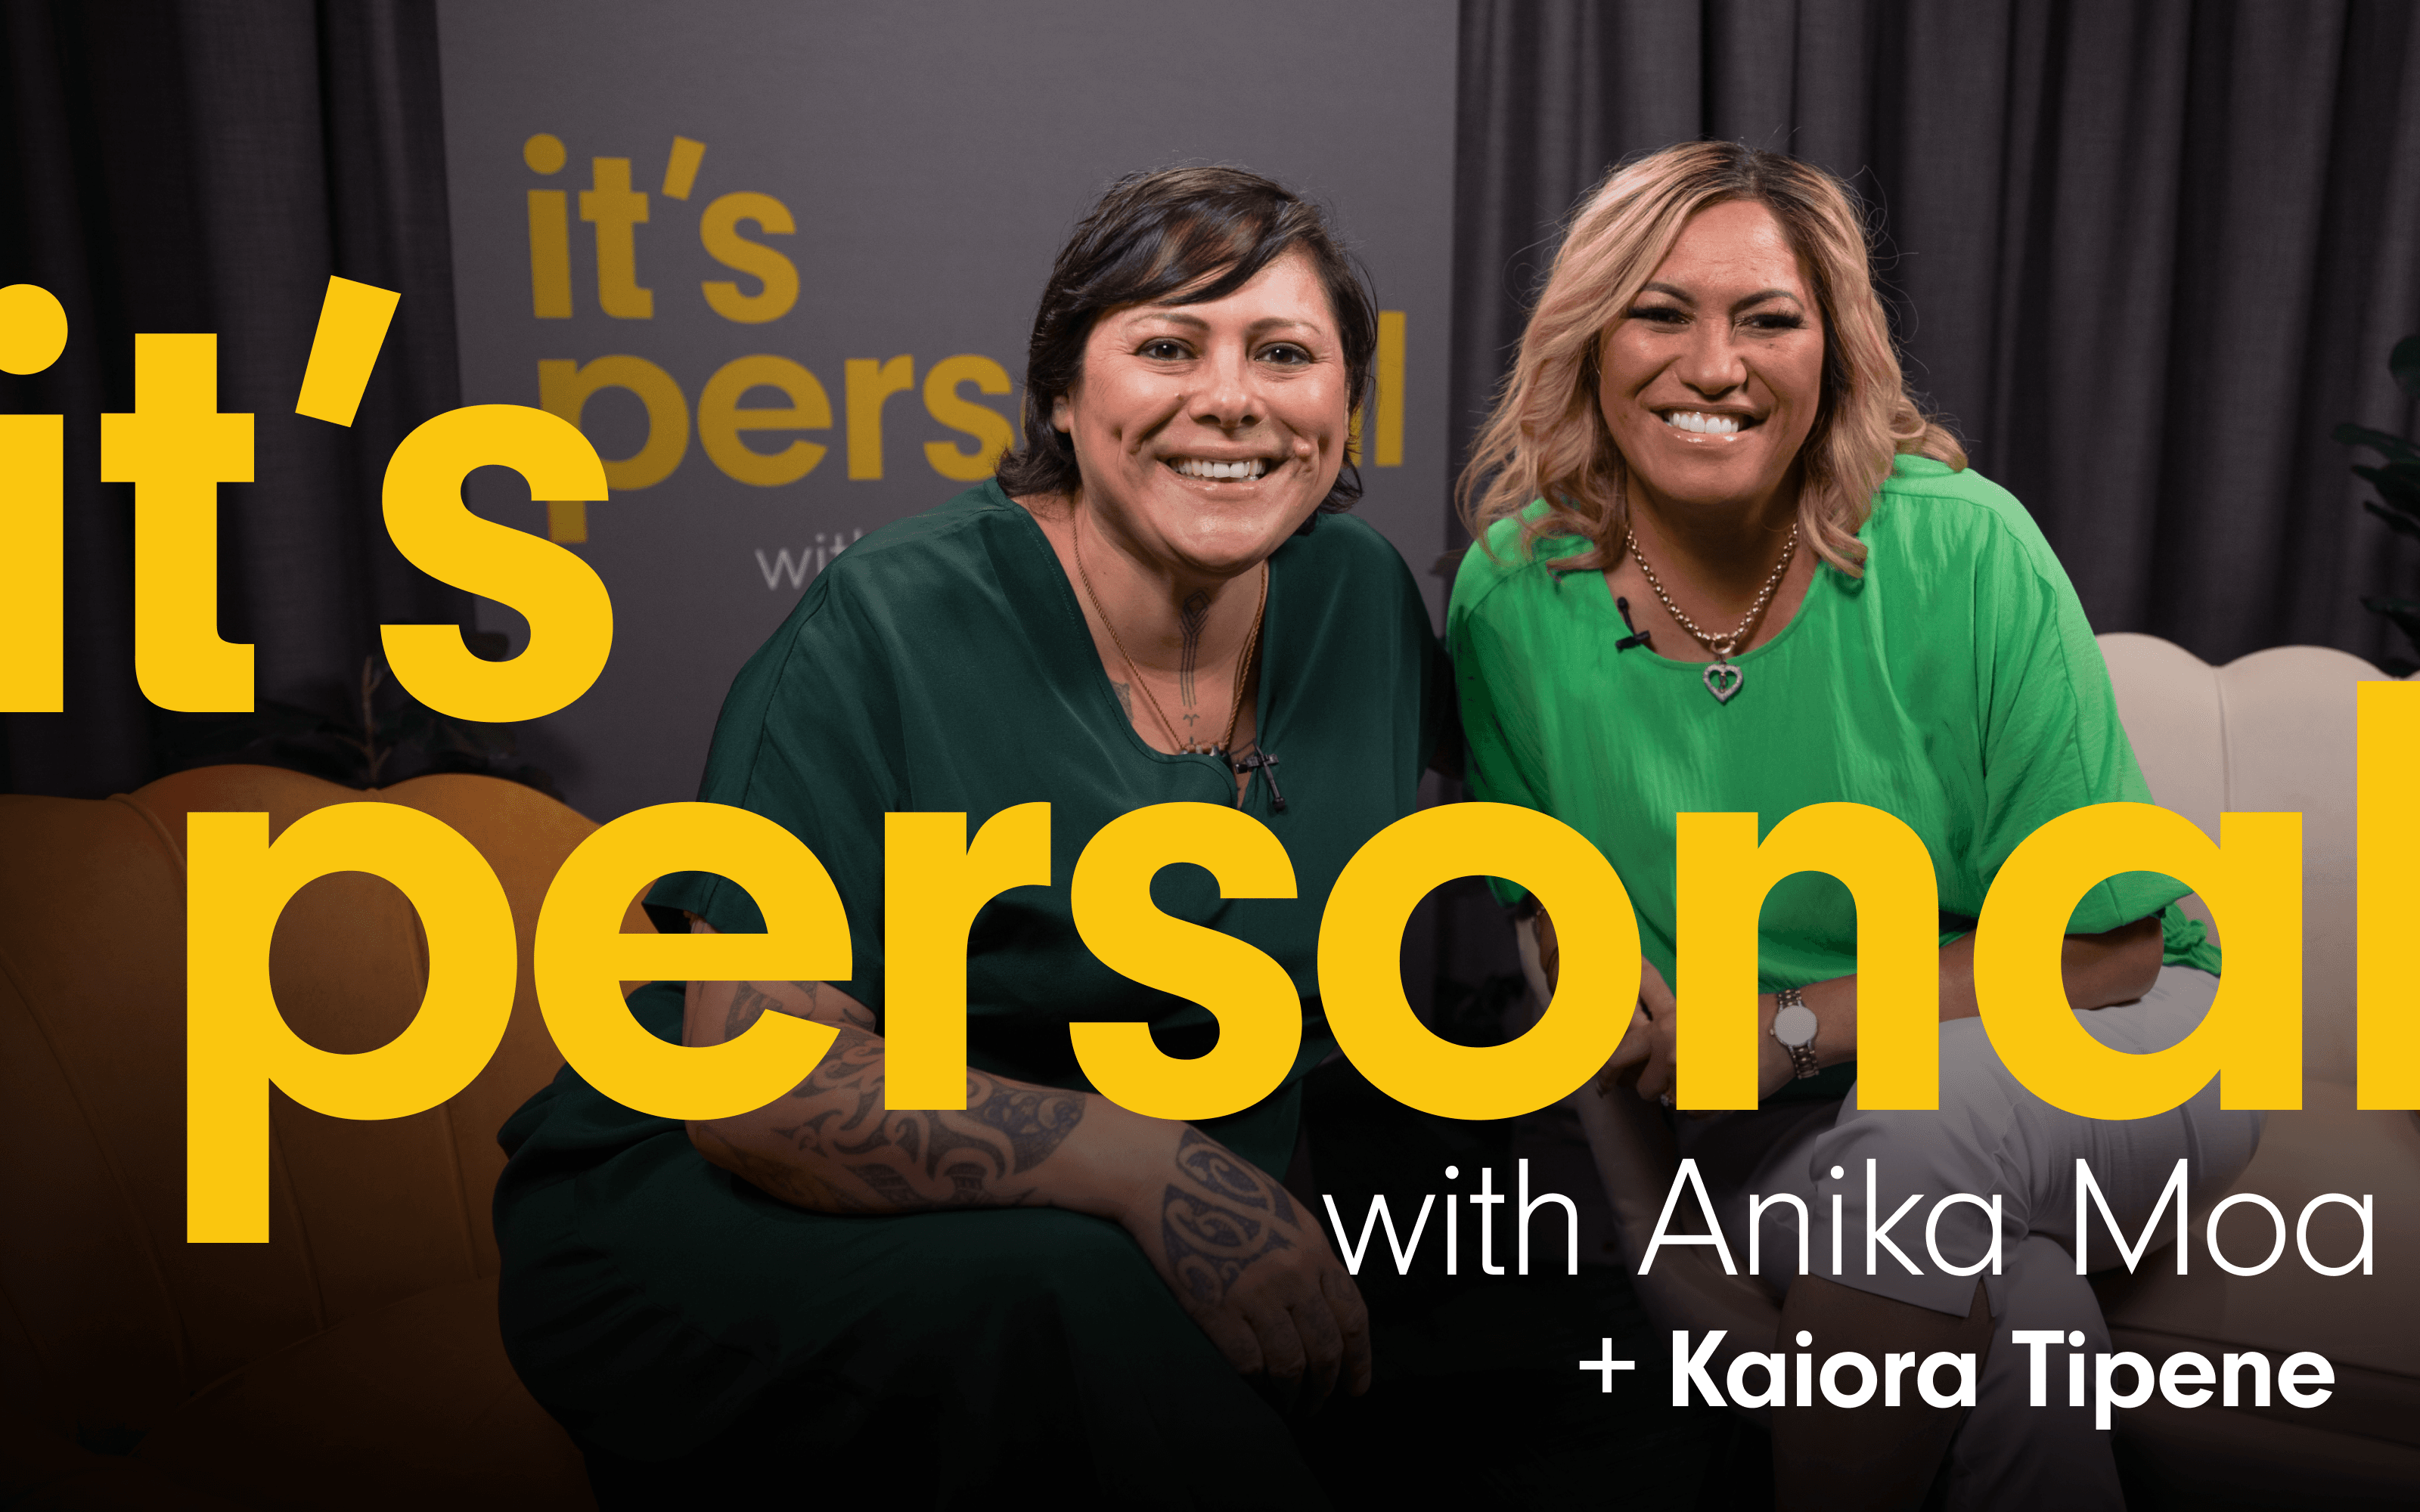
[(1794, 1029)]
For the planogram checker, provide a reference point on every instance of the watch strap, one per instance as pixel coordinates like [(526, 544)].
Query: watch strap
[(1802, 1056)]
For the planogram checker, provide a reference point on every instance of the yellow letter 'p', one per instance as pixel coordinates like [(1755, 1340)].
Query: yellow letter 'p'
[(2251, 1036), (237, 1044)]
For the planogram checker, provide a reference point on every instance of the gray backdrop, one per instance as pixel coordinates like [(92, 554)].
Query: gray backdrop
[(933, 157)]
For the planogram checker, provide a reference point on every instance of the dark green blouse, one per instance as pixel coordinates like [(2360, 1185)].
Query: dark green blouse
[(942, 664), (668, 1312)]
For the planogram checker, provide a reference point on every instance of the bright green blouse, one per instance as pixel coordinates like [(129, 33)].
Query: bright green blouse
[(1955, 686)]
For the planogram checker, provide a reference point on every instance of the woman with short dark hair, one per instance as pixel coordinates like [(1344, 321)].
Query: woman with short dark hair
[(1153, 603)]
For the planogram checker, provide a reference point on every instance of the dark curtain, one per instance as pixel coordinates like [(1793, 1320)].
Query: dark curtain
[(204, 167), (2142, 258)]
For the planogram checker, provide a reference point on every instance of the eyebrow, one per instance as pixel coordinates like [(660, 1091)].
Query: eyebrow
[(1174, 314), (1741, 303)]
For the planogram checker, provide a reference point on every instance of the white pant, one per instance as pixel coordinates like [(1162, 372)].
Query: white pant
[(1989, 1136)]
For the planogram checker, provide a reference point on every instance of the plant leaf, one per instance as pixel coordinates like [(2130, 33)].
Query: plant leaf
[(489, 742), (415, 727), (2404, 362), (2398, 483), (272, 720), (396, 725), (2393, 447), (2404, 612), (2400, 524), (409, 726), (2409, 625), (291, 719), (438, 733)]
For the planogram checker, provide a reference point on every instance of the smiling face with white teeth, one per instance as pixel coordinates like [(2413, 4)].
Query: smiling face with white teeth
[(1710, 384), (1207, 433)]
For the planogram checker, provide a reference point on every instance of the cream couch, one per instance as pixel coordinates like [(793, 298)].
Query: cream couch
[(2269, 732)]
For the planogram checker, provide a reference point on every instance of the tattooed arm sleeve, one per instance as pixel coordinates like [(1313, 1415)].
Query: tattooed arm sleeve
[(1220, 1216), (1208, 1219), (831, 1144), (1222, 1234)]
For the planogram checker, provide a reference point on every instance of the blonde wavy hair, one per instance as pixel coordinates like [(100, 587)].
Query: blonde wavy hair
[(1545, 437)]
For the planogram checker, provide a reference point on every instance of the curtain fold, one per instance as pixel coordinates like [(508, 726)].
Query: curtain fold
[(2143, 258), (204, 167)]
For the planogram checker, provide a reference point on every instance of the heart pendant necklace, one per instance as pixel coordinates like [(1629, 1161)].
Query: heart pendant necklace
[(1722, 679)]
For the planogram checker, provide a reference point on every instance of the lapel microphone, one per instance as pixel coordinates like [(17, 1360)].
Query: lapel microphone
[(1637, 635)]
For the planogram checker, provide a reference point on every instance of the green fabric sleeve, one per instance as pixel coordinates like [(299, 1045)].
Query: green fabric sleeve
[(1503, 756), (2184, 942), (2051, 740), (807, 738)]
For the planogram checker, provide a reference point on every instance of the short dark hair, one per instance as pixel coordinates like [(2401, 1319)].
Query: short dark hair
[(1152, 235)]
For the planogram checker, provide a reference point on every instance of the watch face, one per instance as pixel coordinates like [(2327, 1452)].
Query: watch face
[(1794, 1025)]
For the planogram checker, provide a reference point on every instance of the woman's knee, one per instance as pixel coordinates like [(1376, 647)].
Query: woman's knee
[(1056, 1278), (1965, 1140)]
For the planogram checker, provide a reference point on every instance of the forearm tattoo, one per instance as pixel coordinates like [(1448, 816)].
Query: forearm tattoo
[(855, 1155), (749, 1003), (1226, 1217)]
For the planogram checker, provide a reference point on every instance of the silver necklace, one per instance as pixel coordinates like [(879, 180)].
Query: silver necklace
[(1243, 665), (1722, 679)]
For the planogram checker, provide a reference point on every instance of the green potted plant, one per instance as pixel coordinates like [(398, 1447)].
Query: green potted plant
[(371, 736), (2397, 482)]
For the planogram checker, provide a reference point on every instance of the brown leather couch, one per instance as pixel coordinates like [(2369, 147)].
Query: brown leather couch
[(353, 1360)]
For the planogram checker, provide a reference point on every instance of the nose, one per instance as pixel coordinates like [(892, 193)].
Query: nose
[(1713, 363), (1227, 396)]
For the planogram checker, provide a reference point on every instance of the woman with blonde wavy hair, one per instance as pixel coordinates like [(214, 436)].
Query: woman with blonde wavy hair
[(1725, 564)]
